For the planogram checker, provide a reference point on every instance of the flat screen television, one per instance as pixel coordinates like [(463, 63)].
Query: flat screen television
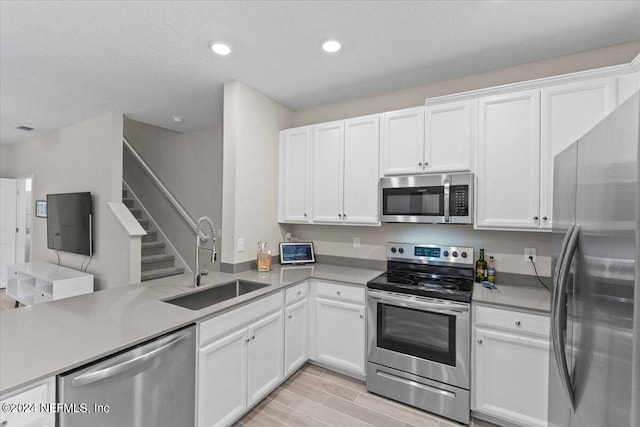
[(69, 223)]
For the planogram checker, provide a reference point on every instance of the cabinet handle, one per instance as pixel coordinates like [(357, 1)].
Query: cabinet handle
[(299, 292), (517, 323), (479, 341), (419, 163), (305, 215), (544, 218), (4, 423), (289, 316), (361, 316), (426, 163), (253, 337), (535, 218), (339, 215), (247, 340), (344, 216), (337, 292)]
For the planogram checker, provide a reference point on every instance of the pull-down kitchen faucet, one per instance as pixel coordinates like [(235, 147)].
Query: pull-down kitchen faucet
[(203, 238)]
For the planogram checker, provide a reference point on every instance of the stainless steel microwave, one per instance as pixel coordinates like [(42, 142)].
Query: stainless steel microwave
[(432, 199)]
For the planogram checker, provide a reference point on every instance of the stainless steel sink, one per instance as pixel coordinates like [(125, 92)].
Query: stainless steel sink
[(217, 294)]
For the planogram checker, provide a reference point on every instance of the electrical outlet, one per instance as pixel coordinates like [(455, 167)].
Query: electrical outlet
[(356, 242), (529, 252), (240, 245)]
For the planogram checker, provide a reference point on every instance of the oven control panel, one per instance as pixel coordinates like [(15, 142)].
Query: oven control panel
[(425, 253)]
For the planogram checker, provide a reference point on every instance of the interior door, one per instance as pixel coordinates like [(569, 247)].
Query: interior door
[(8, 202)]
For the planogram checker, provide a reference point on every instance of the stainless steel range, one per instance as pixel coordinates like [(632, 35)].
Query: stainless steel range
[(419, 328)]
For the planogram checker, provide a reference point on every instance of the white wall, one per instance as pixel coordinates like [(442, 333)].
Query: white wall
[(86, 156), (190, 165), (506, 247), (415, 96), (252, 123)]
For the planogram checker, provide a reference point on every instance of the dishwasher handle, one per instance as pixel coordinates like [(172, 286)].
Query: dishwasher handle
[(110, 371)]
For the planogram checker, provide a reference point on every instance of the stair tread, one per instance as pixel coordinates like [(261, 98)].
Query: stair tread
[(147, 245), (161, 272), (157, 258)]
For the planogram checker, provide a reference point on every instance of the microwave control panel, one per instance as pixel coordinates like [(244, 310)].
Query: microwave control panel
[(459, 200)]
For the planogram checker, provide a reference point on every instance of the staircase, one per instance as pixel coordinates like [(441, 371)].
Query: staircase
[(156, 263)]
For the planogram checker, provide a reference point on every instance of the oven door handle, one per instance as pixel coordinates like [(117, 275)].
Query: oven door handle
[(445, 307)]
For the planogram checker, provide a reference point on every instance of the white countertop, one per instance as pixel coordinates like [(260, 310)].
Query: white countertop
[(525, 298), (42, 340)]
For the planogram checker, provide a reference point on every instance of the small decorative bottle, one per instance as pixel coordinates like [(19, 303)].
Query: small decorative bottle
[(491, 271)]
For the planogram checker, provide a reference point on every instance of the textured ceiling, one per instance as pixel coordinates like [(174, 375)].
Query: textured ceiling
[(64, 61)]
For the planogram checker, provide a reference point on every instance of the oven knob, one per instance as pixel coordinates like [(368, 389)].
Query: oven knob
[(454, 254), (464, 254), (401, 250), (445, 253), (393, 250)]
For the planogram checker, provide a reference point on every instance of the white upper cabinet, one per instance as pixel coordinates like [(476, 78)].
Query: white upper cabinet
[(345, 171), (628, 84), (361, 170), (327, 171), (402, 142), (508, 161), (568, 112), (450, 133), (295, 150)]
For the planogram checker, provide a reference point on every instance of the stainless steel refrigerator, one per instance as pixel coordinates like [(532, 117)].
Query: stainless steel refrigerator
[(594, 372)]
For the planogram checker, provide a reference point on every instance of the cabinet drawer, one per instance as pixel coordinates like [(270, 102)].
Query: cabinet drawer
[(43, 393), (238, 317), (296, 293), (512, 320), (341, 292)]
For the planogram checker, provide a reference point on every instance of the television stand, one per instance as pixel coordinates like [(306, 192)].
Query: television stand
[(37, 282)]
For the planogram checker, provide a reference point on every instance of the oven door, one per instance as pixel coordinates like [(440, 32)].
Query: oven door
[(423, 336)]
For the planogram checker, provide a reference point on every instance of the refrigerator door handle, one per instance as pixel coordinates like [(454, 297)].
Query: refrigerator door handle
[(93, 376), (559, 312), (563, 250)]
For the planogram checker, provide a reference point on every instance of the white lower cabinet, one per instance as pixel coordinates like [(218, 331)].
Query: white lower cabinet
[(296, 333), (13, 411), (510, 366), (240, 360), (340, 327)]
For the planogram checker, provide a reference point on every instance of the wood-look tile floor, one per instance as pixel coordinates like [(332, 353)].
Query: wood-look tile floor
[(6, 303), (318, 397)]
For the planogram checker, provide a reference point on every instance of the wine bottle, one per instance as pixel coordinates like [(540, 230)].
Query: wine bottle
[(481, 267)]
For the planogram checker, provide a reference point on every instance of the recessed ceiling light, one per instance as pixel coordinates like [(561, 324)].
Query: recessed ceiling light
[(177, 119), (221, 49), (331, 46), (25, 128)]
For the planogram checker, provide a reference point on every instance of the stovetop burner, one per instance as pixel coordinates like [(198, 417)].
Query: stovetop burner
[(410, 271), (431, 285)]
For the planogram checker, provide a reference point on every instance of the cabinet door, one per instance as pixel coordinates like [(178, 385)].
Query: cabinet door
[(295, 341), (361, 164), (402, 142), (508, 161), (266, 349), (222, 379), (340, 334), (568, 112), (42, 393), (295, 146), (449, 136), (511, 377), (327, 169)]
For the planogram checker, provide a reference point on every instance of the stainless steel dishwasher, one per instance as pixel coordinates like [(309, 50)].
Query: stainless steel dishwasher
[(152, 384)]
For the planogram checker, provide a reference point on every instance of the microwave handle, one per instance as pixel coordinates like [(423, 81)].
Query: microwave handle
[(446, 180)]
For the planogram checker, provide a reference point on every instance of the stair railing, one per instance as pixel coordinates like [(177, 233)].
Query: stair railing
[(163, 188)]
